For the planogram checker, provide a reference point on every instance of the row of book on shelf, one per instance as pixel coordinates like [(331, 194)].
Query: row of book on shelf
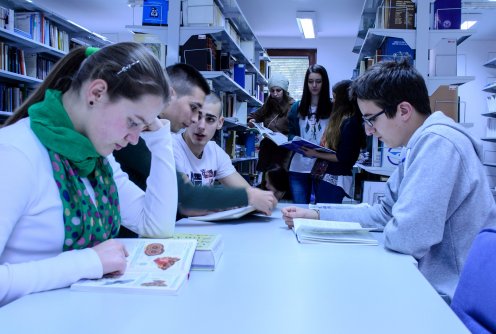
[(203, 53), (35, 26), (400, 14), (16, 60), (12, 97)]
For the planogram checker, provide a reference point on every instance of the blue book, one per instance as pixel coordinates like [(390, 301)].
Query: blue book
[(448, 14), (295, 144), (239, 74)]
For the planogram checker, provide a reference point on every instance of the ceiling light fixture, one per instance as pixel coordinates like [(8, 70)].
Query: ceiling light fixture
[(306, 23), (466, 25)]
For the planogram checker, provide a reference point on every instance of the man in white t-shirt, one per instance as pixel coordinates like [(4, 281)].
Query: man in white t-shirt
[(201, 159)]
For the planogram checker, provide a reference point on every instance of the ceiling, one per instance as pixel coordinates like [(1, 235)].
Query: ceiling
[(267, 18)]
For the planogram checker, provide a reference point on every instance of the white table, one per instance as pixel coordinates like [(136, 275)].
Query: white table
[(265, 283)]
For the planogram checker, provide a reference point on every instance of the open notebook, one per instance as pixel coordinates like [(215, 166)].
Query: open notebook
[(313, 230), (226, 215)]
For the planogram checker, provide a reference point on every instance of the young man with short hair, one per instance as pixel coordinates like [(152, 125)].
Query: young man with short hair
[(202, 160), (439, 198)]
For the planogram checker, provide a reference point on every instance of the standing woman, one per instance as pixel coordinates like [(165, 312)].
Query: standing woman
[(70, 195), (274, 115), (332, 172), (308, 119)]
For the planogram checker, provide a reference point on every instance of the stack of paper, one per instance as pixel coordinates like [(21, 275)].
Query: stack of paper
[(313, 230)]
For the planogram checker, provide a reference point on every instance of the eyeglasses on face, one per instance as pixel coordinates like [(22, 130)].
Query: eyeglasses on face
[(369, 120)]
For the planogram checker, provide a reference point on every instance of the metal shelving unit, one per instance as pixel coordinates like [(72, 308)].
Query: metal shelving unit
[(369, 40), (29, 46)]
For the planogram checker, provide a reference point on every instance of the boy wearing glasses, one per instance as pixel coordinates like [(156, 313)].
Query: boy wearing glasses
[(439, 198)]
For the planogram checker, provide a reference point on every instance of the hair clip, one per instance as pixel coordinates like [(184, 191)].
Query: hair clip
[(90, 50), (127, 67)]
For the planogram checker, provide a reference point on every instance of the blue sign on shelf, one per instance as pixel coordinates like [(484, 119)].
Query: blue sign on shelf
[(155, 12)]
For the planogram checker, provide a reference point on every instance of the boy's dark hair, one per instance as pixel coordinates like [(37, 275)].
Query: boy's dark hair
[(389, 83), (324, 106), (184, 78)]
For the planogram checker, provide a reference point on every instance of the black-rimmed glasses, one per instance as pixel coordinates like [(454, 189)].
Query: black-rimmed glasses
[(369, 120)]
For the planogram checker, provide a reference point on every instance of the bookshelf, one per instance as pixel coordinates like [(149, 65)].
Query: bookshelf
[(422, 39), (231, 33), (27, 56), (491, 110), (223, 22)]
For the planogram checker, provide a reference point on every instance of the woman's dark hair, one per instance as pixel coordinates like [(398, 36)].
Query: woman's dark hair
[(271, 105), (389, 83), (129, 69), (324, 106)]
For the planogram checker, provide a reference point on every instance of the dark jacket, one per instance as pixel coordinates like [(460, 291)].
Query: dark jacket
[(351, 141), (275, 118), (135, 160)]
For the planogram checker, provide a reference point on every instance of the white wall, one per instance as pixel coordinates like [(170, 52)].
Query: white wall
[(333, 53), (472, 55)]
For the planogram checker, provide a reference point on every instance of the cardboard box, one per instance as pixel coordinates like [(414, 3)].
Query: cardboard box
[(489, 156), (200, 2), (155, 12), (445, 99), (445, 65), (200, 15), (209, 15), (392, 157), (443, 58), (373, 192), (248, 48)]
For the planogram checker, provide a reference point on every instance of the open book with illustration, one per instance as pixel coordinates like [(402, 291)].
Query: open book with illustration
[(226, 214), (294, 145), (208, 250), (154, 266), (313, 230)]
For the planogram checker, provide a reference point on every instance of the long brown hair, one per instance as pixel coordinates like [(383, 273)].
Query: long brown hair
[(272, 106), (324, 106), (129, 69), (343, 108)]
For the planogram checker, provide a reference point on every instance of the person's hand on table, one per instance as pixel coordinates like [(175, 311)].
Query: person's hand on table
[(113, 255), (291, 212), (262, 200)]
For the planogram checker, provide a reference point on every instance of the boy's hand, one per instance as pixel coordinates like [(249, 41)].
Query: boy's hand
[(290, 212)]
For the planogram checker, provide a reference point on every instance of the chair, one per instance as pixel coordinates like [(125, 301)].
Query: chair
[(475, 297)]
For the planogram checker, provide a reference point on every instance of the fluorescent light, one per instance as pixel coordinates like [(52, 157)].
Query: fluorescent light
[(467, 24), (306, 23)]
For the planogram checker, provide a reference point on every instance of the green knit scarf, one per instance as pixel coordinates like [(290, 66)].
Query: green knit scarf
[(73, 156)]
